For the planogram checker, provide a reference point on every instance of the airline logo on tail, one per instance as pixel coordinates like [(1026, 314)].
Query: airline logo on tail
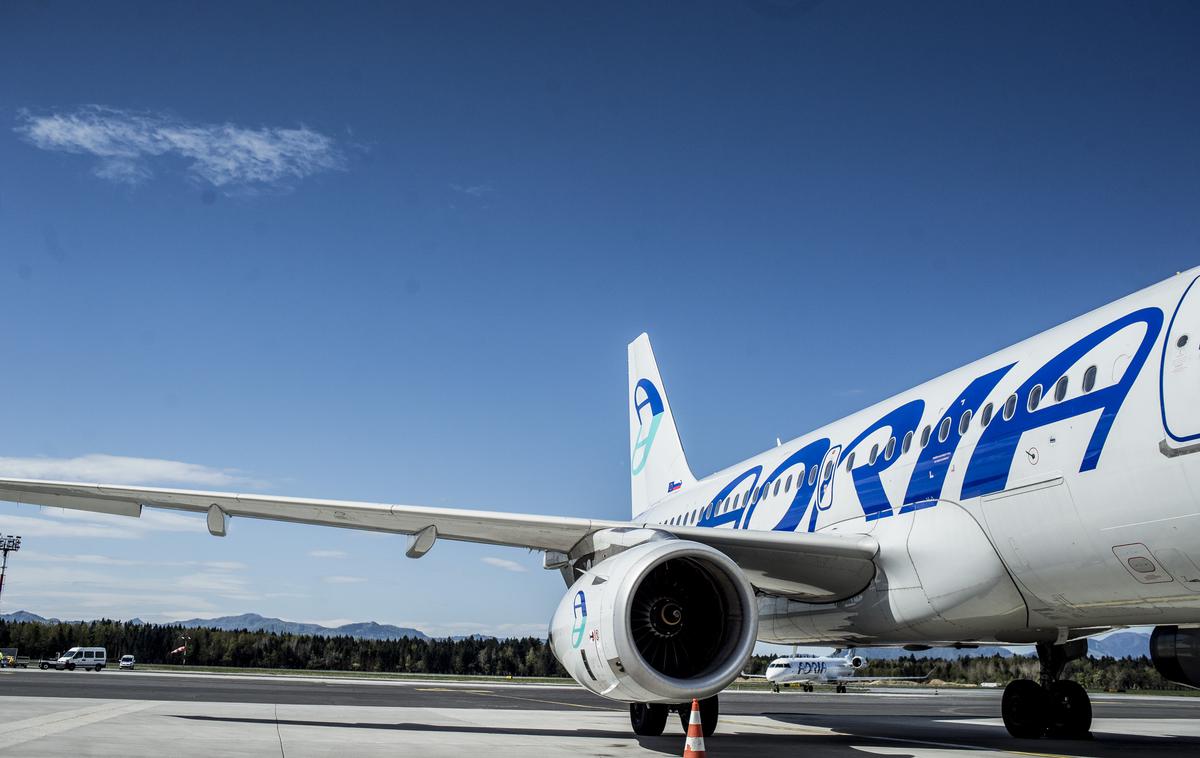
[(646, 397)]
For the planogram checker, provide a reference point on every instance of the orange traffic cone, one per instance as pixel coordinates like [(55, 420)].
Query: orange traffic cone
[(694, 747)]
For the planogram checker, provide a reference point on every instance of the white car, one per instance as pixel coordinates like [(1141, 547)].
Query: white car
[(86, 658), (126, 662)]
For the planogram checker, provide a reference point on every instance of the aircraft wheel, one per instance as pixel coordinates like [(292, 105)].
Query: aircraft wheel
[(841, 688), (1070, 711), (1024, 708), (648, 719), (776, 688), (808, 688), (709, 710)]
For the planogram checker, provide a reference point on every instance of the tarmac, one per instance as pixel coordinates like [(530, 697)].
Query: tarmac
[(122, 713)]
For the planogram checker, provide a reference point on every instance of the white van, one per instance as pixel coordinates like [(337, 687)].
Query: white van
[(86, 658)]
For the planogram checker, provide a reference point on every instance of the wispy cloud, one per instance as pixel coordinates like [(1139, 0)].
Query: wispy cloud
[(504, 563), (474, 190), (344, 579), (106, 560), (60, 523), (130, 144), (326, 554), (119, 469)]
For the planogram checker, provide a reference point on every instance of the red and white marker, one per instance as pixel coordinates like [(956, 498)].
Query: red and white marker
[(694, 747)]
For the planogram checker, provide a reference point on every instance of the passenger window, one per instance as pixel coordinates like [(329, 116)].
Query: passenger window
[(986, 417), (828, 469), (1035, 398), (1089, 379), (850, 461), (907, 443), (736, 498), (812, 476), (944, 430), (964, 423), (787, 486), (776, 490), (925, 436), (874, 454), (890, 450), (1060, 390), (1010, 406), (1182, 340)]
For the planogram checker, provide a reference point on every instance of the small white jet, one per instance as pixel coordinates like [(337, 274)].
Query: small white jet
[(1040, 495), (808, 670)]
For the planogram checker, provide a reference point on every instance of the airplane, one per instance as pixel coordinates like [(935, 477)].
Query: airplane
[(813, 669), (1040, 495)]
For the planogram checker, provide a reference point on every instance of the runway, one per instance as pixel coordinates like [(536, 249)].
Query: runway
[(48, 713)]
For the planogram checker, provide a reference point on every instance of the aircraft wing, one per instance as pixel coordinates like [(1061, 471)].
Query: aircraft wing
[(803, 566)]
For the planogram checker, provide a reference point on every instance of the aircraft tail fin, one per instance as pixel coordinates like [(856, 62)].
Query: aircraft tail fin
[(657, 464)]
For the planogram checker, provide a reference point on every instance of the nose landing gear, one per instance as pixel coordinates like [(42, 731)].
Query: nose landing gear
[(1054, 707)]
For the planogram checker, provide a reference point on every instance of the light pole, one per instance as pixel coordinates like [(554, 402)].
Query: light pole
[(9, 544)]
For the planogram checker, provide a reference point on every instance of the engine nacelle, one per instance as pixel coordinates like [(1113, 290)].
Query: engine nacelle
[(1176, 654), (857, 662), (660, 622)]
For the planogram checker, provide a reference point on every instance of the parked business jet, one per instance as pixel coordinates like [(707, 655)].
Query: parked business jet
[(1040, 495), (808, 670)]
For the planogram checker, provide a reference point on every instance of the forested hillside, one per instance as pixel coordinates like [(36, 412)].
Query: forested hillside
[(152, 643)]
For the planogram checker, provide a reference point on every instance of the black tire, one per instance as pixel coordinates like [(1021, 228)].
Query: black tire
[(99, 667), (841, 688), (1070, 711), (43, 665), (648, 719), (70, 667), (709, 711), (776, 688), (1025, 708)]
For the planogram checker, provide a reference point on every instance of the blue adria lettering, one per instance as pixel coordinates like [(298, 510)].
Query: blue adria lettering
[(988, 470)]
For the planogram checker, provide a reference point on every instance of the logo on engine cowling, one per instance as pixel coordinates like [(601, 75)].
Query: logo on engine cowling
[(580, 610)]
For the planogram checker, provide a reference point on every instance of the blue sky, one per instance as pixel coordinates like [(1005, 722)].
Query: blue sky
[(395, 254)]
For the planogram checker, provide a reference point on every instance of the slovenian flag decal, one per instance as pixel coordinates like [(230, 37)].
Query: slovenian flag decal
[(672, 486)]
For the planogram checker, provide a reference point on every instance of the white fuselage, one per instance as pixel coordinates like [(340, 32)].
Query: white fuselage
[(1074, 508)]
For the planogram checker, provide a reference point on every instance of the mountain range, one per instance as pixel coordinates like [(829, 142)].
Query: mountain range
[(363, 630)]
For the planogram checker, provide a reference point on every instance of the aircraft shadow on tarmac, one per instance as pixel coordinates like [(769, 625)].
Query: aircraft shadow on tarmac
[(841, 739), (894, 729)]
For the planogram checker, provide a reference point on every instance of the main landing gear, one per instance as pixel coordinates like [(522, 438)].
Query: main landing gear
[(1053, 707), (649, 719)]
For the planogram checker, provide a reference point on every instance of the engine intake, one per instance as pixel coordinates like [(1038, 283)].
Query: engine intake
[(663, 621), (1176, 654)]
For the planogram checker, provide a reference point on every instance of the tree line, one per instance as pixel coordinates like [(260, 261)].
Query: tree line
[(153, 643), (1106, 673), (523, 656)]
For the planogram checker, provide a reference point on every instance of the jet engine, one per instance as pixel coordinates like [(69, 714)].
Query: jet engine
[(1176, 654), (660, 622), (857, 662)]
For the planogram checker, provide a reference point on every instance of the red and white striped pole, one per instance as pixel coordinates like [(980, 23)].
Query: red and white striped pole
[(694, 747)]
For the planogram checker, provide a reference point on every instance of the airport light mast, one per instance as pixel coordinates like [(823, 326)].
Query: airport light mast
[(8, 544)]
